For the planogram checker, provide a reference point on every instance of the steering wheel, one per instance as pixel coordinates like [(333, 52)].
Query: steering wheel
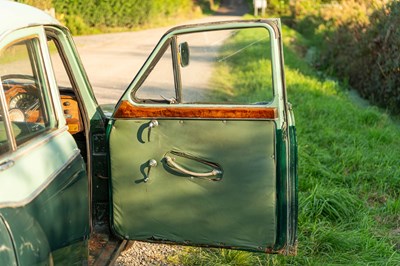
[(23, 105), (18, 77)]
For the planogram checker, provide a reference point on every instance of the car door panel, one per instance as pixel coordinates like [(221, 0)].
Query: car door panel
[(54, 196), (179, 208), (197, 171)]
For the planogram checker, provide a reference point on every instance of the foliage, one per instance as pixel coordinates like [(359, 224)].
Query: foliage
[(274, 7), (358, 41), (226, 84), (42, 4), (81, 16), (278, 6), (208, 6), (376, 69), (349, 178)]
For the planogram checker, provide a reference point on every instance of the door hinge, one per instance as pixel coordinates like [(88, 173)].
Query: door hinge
[(284, 131)]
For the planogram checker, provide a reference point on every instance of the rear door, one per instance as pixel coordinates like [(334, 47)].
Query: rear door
[(198, 146)]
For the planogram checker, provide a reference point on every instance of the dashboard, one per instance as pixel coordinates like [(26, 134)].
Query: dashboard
[(25, 105)]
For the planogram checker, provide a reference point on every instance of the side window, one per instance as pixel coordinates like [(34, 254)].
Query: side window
[(159, 85), (25, 88), (65, 82), (61, 75), (215, 67)]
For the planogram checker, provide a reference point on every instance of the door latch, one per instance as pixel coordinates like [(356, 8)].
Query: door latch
[(6, 164), (152, 124), (152, 163)]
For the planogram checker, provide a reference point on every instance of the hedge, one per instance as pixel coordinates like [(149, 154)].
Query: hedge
[(83, 15), (359, 42)]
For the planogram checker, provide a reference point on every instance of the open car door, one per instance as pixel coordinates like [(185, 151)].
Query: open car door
[(200, 147)]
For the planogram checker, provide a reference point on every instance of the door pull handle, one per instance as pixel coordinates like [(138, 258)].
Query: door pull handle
[(152, 163), (171, 163), (152, 124), (6, 164)]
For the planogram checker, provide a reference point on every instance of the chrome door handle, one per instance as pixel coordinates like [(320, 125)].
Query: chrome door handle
[(152, 163), (6, 164), (152, 124), (171, 163)]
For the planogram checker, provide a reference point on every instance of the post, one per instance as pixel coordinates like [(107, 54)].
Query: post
[(259, 4)]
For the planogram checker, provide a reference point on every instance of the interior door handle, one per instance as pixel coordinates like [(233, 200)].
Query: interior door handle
[(151, 163), (152, 124), (171, 163), (6, 164)]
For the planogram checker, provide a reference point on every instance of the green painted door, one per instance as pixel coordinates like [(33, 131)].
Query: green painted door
[(197, 152), (44, 201)]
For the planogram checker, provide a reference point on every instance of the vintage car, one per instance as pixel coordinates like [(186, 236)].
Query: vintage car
[(184, 157)]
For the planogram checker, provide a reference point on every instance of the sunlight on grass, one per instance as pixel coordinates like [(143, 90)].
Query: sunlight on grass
[(349, 175), (243, 57)]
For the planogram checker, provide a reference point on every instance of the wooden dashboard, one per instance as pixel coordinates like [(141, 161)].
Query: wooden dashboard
[(71, 113)]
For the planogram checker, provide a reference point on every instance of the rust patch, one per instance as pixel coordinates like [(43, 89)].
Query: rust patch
[(127, 110), (286, 250)]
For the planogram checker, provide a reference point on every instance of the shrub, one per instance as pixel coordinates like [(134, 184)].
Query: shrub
[(42, 4), (380, 73), (81, 15), (358, 41)]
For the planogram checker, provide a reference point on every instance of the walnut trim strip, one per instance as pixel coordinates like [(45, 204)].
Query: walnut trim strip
[(127, 110)]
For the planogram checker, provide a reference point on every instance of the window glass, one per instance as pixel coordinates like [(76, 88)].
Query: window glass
[(224, 66), (159, 85), (62, 78), (25, 89)]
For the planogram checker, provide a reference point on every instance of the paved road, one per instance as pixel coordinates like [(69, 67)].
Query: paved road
[(112, 60)]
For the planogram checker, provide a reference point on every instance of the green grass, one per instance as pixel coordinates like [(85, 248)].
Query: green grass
[(234, 79), (349, 177)]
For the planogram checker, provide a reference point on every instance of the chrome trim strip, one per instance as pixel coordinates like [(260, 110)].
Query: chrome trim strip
[(28, 146)]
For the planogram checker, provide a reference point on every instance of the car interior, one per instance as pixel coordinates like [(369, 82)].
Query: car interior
[(26, 94)]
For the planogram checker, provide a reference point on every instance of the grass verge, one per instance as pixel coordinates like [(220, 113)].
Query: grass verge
[(349, 177)]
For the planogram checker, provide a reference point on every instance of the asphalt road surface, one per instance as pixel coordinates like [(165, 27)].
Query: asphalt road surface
[(112, 60)]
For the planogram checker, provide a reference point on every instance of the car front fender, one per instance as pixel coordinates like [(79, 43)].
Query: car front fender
[(22, 241)]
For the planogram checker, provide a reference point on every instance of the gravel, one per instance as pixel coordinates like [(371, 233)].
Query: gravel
[(142, 253)]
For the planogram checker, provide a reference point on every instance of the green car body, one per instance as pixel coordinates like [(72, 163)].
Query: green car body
[(162, 169)]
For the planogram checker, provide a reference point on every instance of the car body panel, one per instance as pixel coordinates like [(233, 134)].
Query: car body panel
[(56, 208), (22, 16), (7, 250), (60, 147), (30, 243)]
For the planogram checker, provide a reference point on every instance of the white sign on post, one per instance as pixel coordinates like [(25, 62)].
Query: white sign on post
[(259, 4)]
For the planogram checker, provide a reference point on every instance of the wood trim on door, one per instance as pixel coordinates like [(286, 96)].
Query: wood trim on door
[(128, 110)]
